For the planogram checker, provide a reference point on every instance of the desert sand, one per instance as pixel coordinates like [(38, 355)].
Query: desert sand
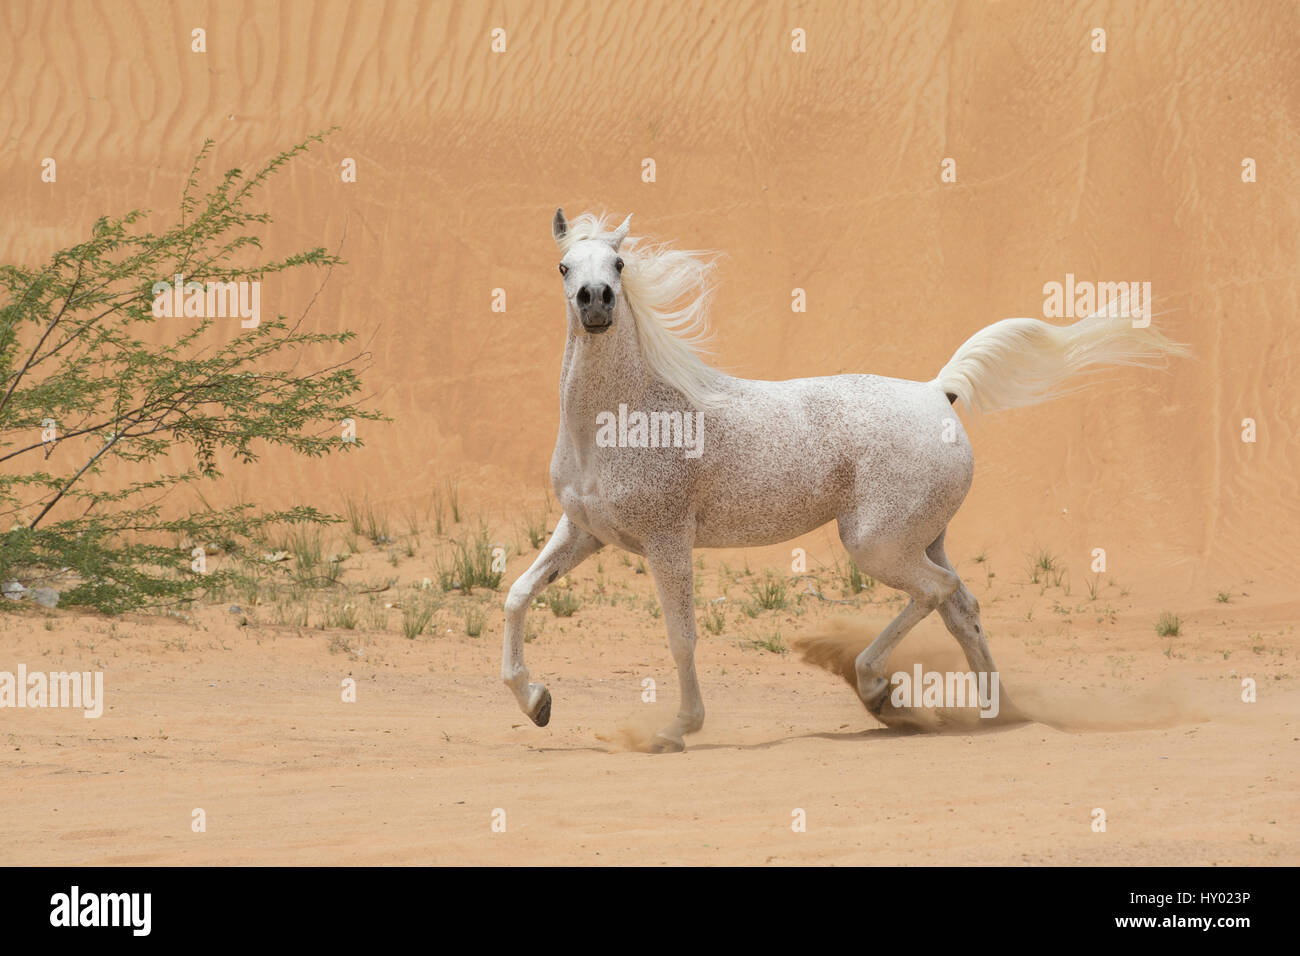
[(819, 171)]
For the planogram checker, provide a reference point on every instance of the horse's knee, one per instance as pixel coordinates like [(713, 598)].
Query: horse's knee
[(518, 597), (683, 650)]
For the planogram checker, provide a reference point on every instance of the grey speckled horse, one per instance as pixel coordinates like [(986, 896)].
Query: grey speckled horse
[(886, 459)]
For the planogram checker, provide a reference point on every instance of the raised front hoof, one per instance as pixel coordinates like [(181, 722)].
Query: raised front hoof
[(663, 744), (541, 714)]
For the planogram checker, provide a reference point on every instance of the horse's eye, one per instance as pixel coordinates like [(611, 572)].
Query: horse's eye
[(618, 264), (564, 270)]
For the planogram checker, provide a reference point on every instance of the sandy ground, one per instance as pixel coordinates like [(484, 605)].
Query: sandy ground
[(817, 171), (248, 724)]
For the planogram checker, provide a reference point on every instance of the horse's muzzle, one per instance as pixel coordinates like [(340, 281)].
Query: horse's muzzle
[(595, 307), (597, 322)]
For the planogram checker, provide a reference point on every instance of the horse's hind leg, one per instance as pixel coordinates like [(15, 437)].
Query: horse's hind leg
[(908, 570), (568, 547), (961, 615)]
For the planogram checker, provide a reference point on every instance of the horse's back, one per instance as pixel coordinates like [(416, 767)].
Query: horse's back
[(782, 458), (852, 415)]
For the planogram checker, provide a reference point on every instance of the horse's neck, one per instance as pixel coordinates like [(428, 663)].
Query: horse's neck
[(600, 372)]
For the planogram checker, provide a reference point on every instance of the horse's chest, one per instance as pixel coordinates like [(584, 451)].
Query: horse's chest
[(619, 500)]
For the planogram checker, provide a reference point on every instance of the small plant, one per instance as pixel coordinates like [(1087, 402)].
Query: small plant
[(310, 567), (439, 512), (292, 610), (1224, 597), (415, 619), (771, 592), (375, 525), (855, 582), (305, 546), (471, 565), (353, 512), (562, 602), (773, 644), (714, 618), (446, 573), (453, 498), (412, 517), (535, 528), (474, 563), (345, 616), (1168, 625), (1042, 567), (474, 620), (248, 588)]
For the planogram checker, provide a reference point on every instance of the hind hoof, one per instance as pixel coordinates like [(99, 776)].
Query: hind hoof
[(874, 694), (666, 745), (541, 716)]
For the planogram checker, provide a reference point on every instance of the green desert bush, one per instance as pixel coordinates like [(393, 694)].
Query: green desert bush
[(101, 415)]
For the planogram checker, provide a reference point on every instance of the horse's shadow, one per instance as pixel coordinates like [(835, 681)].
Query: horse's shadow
[(856, 736)]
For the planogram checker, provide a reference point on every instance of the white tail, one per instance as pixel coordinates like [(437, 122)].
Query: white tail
[(1019, 362)]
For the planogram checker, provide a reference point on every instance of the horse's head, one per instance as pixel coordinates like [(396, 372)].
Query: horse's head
[(592, 272)]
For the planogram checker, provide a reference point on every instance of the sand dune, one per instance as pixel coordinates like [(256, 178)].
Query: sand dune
[(818, 170)]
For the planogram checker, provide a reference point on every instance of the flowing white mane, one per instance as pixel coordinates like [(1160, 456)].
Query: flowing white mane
[(668, 292)]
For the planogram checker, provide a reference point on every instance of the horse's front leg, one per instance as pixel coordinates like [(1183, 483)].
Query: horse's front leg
[(568, 547), (675, 580)]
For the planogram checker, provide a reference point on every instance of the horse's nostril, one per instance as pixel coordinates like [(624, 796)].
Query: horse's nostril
[(584, 295), (607, 297)]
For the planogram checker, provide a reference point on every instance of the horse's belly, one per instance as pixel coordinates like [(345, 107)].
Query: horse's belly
[(741, 520), (757, 532)]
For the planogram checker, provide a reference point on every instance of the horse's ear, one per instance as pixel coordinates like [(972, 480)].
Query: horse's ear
[(619, 234), (559, 227)]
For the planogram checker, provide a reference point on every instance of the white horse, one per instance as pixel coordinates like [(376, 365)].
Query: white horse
[(887, 459)]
